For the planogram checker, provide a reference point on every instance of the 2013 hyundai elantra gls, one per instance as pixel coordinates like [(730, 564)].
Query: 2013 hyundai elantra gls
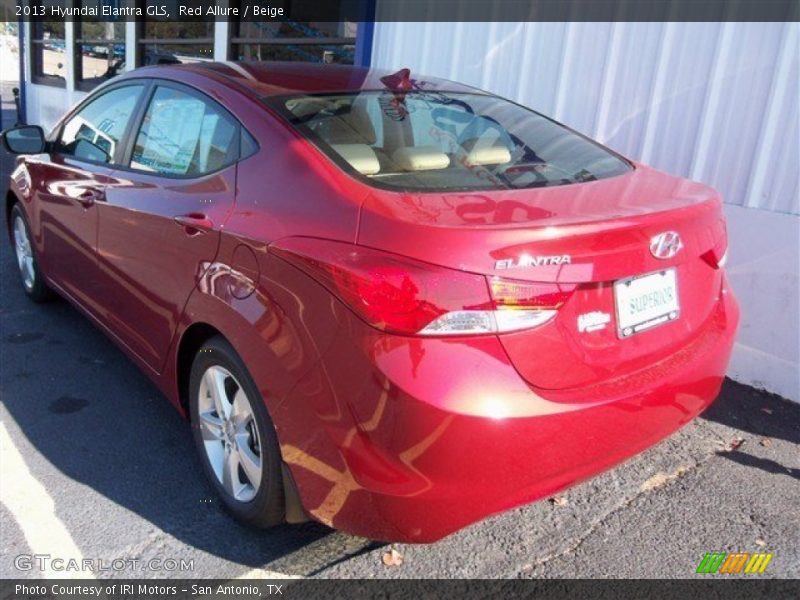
[(391, 303)]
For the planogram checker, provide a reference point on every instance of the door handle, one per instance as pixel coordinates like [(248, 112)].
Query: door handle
[(87, 198), (194, 223)]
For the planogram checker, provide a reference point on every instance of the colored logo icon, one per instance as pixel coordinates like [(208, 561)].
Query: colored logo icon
[(736, 562)]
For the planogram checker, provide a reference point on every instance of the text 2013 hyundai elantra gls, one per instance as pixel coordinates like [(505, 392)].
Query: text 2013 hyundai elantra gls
[(393, 304)]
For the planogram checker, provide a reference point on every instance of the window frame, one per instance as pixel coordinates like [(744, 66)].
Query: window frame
[(59, 131), (236, 39), (138, 119), (142, 41), (81, 83), (277, 105), (124, 149), (36, 57)]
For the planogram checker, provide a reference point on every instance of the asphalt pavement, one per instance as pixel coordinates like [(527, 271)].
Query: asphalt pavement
[(97, 465)]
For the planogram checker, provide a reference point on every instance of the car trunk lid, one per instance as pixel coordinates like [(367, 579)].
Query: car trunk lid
[(584, 237)]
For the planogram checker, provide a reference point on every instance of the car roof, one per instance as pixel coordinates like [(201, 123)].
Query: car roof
[(286, 78)]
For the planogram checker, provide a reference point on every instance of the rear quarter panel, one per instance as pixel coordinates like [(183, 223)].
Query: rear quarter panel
[(284, 189)]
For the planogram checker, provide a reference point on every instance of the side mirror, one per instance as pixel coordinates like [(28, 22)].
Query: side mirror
[(25, 139)]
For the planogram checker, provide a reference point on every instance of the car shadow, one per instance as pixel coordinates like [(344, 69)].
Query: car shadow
[(91, 414), (755, 411), (765, 464), (766, 416)]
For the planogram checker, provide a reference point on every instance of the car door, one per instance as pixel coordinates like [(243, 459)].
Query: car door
[(159, 226), (73, 184)]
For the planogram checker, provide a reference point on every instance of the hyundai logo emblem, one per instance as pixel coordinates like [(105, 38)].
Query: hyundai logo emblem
[(665, 245)]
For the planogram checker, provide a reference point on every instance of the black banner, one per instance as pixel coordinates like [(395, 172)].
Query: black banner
[(403, 10), (714, 587)]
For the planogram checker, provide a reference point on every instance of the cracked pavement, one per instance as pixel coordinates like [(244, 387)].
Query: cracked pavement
[(119, 466)]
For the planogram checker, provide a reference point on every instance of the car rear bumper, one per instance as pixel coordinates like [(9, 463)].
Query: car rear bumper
[(421, 437)]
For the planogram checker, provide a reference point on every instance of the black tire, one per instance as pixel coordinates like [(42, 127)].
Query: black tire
[(38, 290), (267, 507)]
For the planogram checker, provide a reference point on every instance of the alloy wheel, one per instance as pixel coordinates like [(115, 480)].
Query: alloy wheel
[(22, 248), (230, 434)]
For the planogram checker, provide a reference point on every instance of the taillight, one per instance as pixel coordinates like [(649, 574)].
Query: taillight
[(511, 293), (724, 260), (405, 296), (718, 255)]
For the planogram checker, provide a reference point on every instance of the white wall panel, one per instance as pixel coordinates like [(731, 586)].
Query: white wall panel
[(764, 271), (717, 102)]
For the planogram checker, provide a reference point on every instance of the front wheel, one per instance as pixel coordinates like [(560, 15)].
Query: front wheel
[(235, 436), (31, 276)]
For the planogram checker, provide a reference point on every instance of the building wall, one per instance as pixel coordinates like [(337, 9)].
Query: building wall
[(763, 271), (45, 103), (715, 102)]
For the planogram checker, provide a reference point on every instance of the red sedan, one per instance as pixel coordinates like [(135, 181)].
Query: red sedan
[(396, 305)]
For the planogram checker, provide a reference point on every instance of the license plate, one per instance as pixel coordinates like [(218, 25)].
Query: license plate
[(646, 301)]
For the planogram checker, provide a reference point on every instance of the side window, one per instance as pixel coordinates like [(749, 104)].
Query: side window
[(184, 135), (94, 132)]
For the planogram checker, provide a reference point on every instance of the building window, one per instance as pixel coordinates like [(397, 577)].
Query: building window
[(99, 52), (307, 41), (48, 56), (169, 43)]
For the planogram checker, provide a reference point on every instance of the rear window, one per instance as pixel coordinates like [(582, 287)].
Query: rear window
[(443, 141)]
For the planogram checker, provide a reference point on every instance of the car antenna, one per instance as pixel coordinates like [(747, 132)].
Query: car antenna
[(399, 82)]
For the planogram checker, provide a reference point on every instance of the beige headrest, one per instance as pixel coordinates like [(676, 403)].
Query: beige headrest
[(420, 158), (489, 155), (360, 156)]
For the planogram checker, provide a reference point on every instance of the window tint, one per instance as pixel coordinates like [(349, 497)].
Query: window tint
[(94, 132), (322, 42), (184, 135), (99, 49), (248, 144), (440, 141), (48, 52), (196, 39)]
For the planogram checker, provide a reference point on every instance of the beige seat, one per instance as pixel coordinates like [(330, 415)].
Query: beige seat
[(420, 158), (303, 107), (360, 156), (349, 132), (489, 155), (351, 126)]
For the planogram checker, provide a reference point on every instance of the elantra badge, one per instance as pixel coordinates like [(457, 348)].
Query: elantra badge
[(665, 245), (532, 261)]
